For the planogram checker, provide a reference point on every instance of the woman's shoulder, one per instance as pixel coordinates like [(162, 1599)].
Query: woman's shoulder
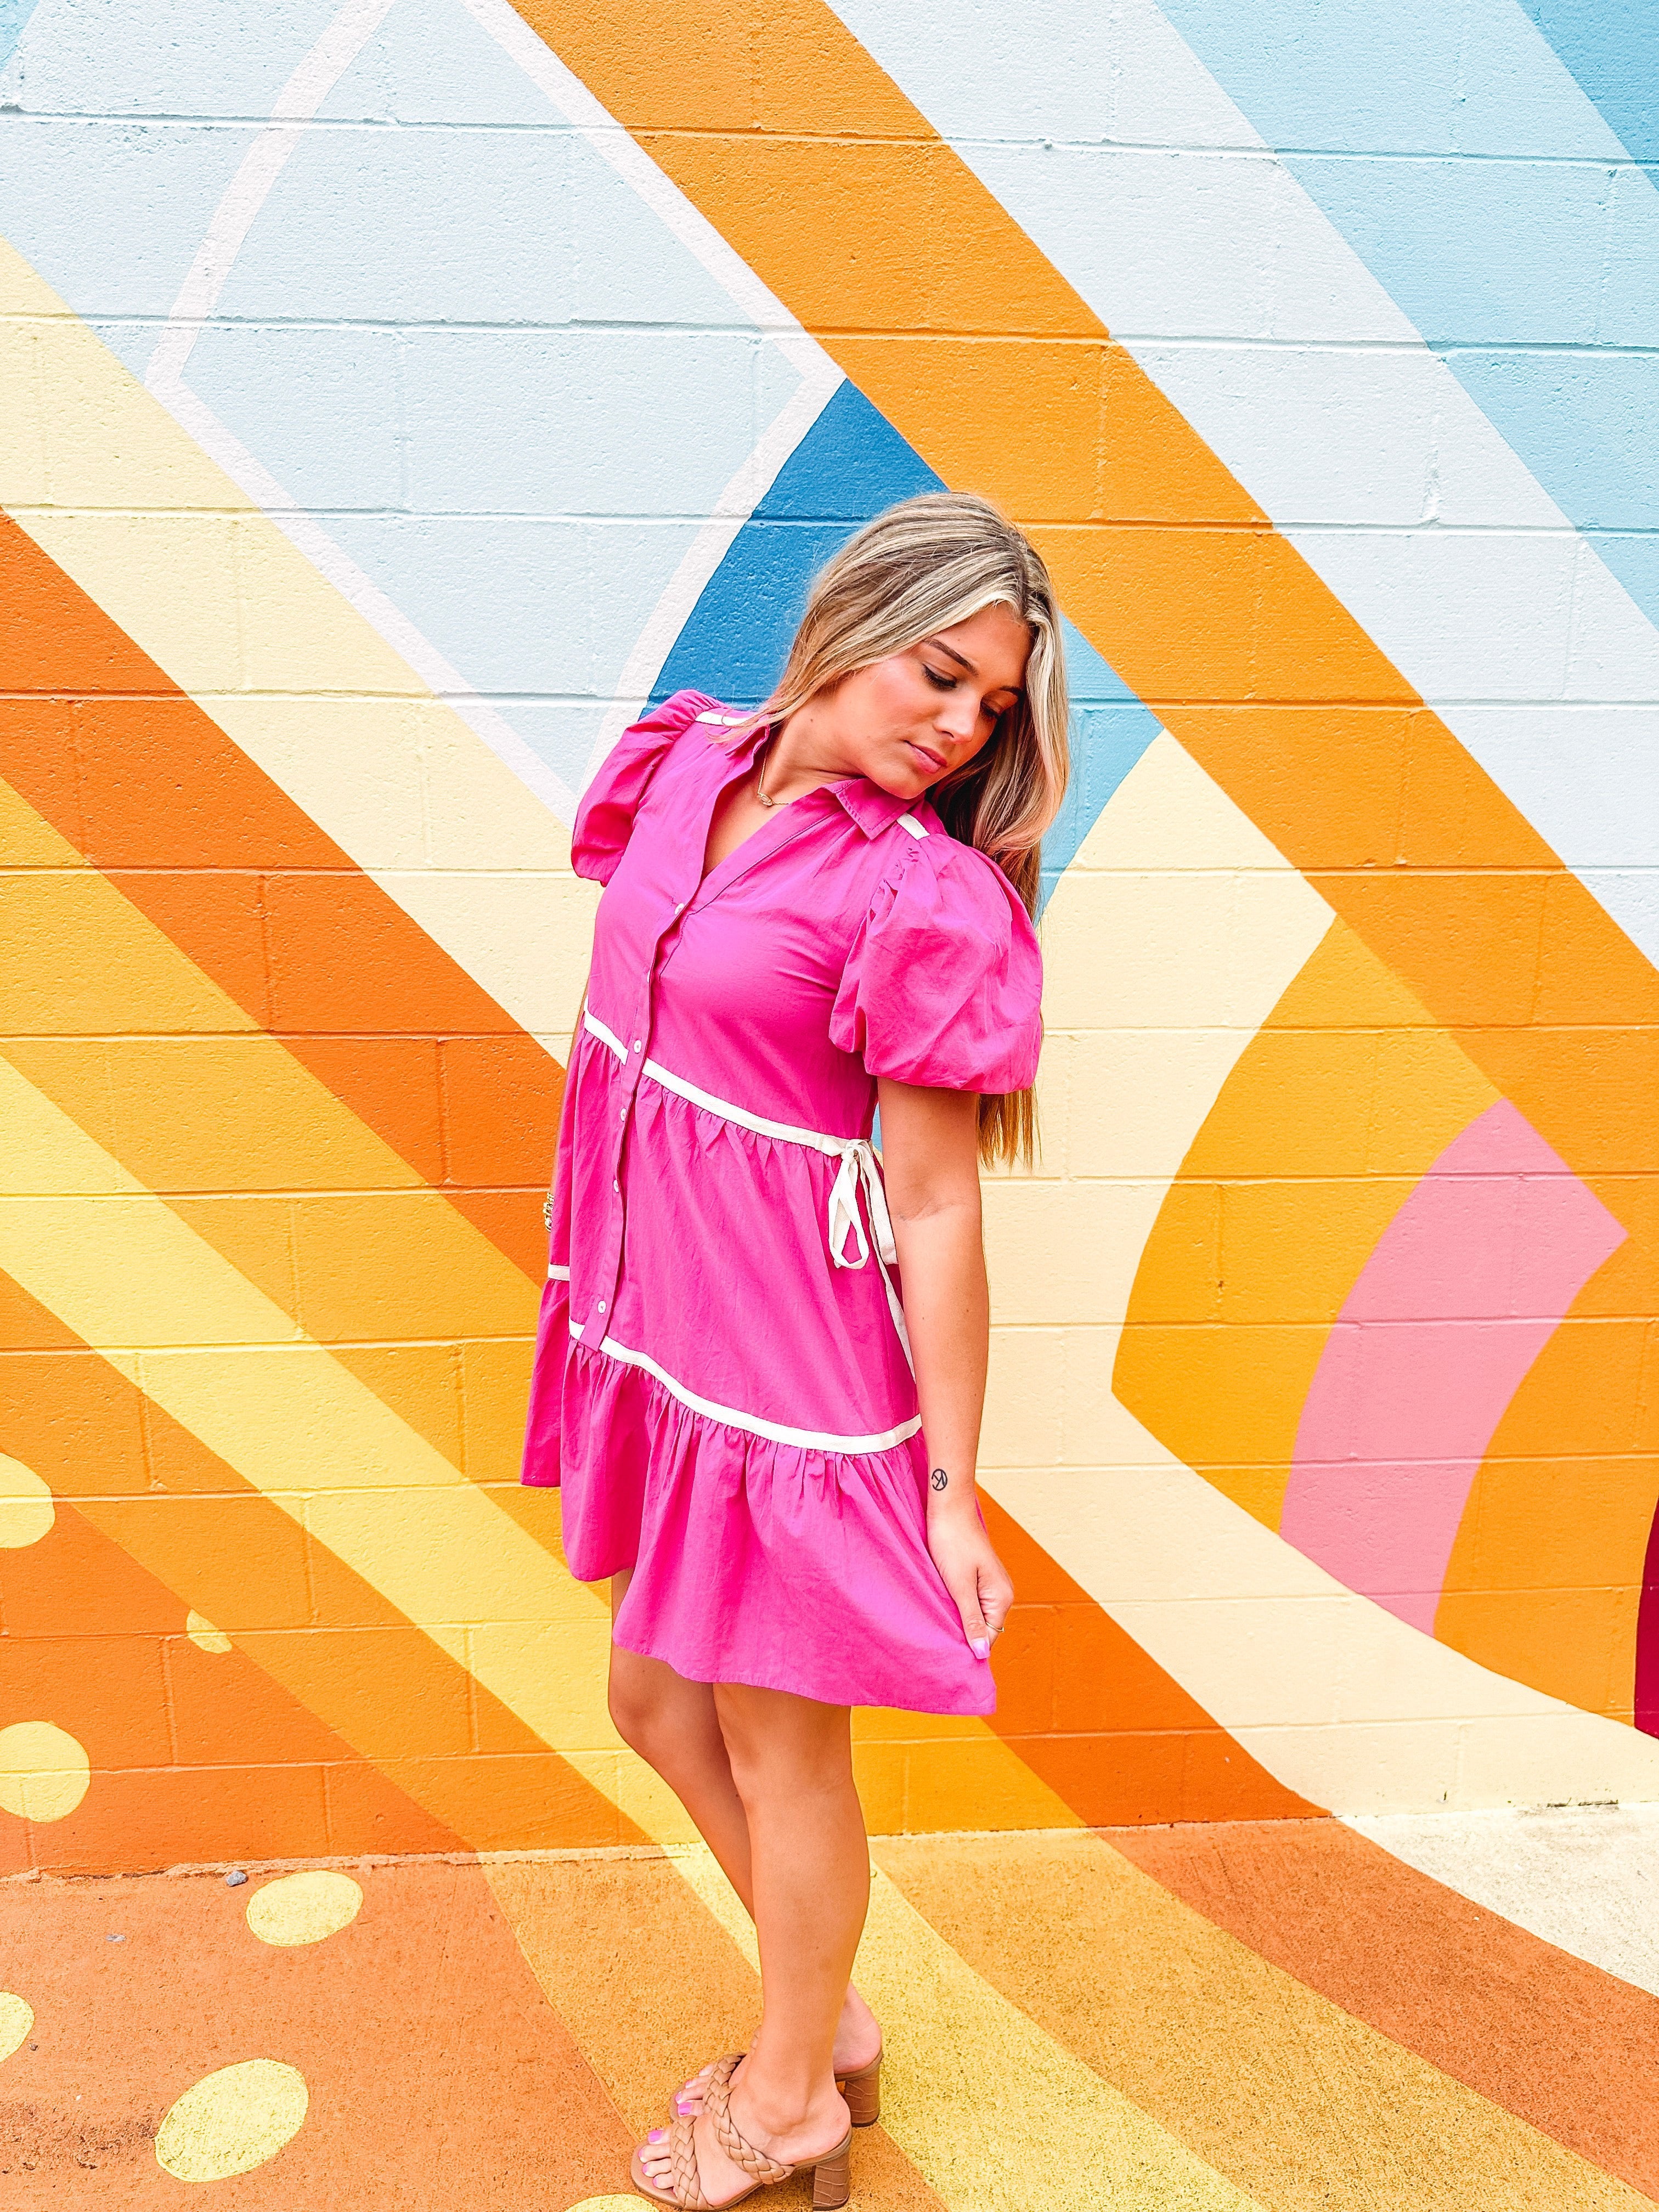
[(956, 881), (672, 717), (944, 986), (711, 714), (626, 776)]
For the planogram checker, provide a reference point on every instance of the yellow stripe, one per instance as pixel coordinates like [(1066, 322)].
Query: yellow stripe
[(986, 2106)]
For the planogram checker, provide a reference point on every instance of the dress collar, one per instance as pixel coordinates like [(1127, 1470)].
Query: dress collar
[(873, 809)]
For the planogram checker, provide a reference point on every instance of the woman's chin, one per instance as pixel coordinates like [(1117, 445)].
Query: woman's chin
[(903, 784)]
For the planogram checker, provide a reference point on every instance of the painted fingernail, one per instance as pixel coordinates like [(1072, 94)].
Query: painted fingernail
[(655, 2135), (979, 1646)]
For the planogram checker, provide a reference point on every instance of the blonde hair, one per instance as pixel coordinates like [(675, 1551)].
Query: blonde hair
[(922, 567)]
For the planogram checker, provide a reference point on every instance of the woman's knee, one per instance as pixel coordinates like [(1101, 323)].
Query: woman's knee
[(781, 1746), (654, 1711), (638, 1702)]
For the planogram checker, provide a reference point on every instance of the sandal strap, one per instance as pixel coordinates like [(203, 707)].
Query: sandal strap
[(716, 2104), (685, 2180)]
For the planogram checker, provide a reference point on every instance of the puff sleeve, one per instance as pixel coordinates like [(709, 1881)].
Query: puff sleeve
[(943, 985), (604, 820)]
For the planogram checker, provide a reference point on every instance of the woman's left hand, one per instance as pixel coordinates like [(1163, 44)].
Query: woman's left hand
[(973, 1574)]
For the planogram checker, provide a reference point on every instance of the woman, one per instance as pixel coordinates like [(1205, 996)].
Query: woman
[(811, 912)]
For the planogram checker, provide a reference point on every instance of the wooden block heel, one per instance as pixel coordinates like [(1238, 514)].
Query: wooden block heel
[(862, 2091), (832, 2179)]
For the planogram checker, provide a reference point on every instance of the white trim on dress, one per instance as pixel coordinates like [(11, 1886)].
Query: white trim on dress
[(807, 1439), (859, 1167)]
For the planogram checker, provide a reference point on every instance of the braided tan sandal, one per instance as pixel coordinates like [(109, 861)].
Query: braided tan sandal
[(831, 2174), (862, 2090)]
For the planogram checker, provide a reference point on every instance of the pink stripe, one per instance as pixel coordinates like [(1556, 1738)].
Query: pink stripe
[(1467, 1286)]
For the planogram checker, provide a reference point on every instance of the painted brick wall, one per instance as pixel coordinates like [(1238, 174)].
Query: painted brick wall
[(394, 397)]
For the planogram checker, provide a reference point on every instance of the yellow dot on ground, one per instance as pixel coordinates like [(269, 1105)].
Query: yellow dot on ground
[(204, 1636), (16, 2019), (44, 1772), (303, 1908), (26, 1508), (232, 2121)]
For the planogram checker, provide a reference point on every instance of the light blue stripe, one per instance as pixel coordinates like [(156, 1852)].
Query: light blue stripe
[(1394, 76), (14, 15), (209, 58), (851, 464), (111, 214), (1612, 48), (1531, 277)]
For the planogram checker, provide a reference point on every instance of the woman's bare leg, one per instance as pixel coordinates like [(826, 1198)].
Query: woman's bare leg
[(791, 1763), (673, 1726)]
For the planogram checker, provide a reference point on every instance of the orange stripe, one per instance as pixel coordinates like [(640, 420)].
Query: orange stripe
[(1545, 1581), (196, 1755), (1100, 1722)]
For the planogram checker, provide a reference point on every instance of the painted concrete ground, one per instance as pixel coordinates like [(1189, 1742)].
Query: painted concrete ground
[(1283, 2014)]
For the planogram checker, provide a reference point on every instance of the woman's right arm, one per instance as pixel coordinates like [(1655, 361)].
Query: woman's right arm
[(930, 1161)]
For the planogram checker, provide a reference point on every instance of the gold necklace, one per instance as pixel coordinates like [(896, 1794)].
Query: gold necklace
[(760, 784)]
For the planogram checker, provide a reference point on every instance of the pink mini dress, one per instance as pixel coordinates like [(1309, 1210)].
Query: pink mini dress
[(722, 1383)]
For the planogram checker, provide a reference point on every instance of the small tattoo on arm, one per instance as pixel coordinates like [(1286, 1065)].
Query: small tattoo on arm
[(939, 1478)]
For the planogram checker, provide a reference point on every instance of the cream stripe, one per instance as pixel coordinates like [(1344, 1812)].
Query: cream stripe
[(1011, 2120), (178, 1321), (805, 1439)]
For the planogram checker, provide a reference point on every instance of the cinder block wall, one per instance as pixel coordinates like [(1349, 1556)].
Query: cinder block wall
[(392, 398)]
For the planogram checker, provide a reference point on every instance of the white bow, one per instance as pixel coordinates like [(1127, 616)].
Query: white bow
[(858, 1166)]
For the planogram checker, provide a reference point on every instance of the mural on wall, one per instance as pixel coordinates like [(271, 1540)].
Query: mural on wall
[(396, 395)]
